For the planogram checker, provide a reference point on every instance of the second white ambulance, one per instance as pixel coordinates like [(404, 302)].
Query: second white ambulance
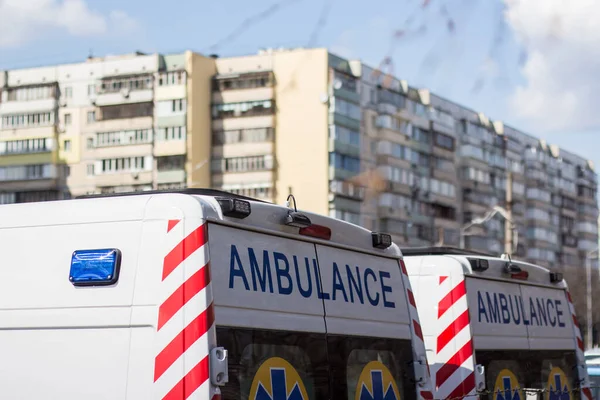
[(498, 328)]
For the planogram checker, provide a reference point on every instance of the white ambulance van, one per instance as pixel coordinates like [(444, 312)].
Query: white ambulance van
[(201, 295), (496, 327)]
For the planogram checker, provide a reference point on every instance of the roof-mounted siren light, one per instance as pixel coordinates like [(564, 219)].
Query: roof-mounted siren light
[(295, 218), (234, 208), (381, 240), (556, 277)]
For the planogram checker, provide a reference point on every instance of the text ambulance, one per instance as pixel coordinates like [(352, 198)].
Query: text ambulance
[(201, 295), (494, 326)]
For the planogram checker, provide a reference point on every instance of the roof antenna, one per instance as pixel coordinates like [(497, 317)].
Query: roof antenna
[(287, 202)]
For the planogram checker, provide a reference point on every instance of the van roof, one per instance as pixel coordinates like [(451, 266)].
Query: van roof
[(266, 217), (496, 264)]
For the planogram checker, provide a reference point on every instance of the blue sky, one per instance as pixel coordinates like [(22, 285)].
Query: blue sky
[(524, 95)]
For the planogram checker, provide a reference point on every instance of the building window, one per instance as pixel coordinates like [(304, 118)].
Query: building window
[(243, 164), (170, 163), (444, 141), (250, 135), (68, 92), (116, 84), (68, 119), (178, 105), (120, 138), (245, 109), (345, 135), (244, 81), (90, 169), (127, 164), (345, 162), (26, 146), (345, 108), (91, 117), (31, 93), (121, 111), (257, 191), (27, 172), (171, 133), (171, 78), (67, 145), (91, 89), (27, 120)]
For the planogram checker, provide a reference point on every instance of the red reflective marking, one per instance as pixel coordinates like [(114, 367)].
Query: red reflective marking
[(172, 223), (442, 279), (418, 330), (453, 364), (569, 297), (403, 267), (183, 341), (464, 388), (411, 298), (192, 381), (427, 395), (580, 344), (183, 250), (452, 330), (587, 392), (182, 295), (575, 321), (451, 298)]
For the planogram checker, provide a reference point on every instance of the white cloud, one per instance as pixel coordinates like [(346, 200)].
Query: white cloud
[(22, 21), (562, 89)]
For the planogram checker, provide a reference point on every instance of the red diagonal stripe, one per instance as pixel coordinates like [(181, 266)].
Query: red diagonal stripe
[(442, 279), (464, 388), (183, 341), (192, 381), (453, 364), (172, 223), (183, 250), (575, 321), (580, 344), (411, 298), (182, 295), (451, 298), (427, 395), (403, 267), (418, 330), (452, 330), (569, 297), (587, 392)]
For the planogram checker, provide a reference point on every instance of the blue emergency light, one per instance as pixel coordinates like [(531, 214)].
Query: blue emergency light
[(95, 267)]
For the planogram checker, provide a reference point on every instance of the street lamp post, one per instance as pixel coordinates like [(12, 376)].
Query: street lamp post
[(482, 220), (588, 271)]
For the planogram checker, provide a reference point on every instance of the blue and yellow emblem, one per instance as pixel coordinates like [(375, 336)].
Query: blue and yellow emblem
[(376, 383), (507, 387), (276, 379), (558, 387)]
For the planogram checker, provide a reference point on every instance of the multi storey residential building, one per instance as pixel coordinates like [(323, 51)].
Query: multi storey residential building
[(344, 138), (109, 124)]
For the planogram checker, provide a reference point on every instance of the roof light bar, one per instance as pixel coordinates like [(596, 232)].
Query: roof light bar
[(316, 231), (381, 240), (556, 277), (234, 208)]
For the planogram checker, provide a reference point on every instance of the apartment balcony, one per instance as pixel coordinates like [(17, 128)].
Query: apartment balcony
[(339, 119), (46, 157), (29, 106), (342, 203), (134, 123), (170, 147), (124, 96), (170, 92), (346, 189), (166, 121), (28, 177), (172, 176), (387, 108), (343, 148), (242, 178), (124, 150), (347, 94), (243, 95), (341, 174)]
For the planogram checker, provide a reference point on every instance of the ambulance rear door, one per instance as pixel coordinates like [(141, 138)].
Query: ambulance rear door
[(368, 324), (523, 335)]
